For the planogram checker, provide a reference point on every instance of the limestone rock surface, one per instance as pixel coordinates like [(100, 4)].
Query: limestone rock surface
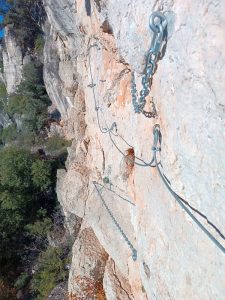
[(116, 286), (91, 48), (12, 61), (89, 259)]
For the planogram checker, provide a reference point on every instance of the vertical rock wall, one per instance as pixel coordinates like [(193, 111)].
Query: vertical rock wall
[(93, 46), (12, 61)]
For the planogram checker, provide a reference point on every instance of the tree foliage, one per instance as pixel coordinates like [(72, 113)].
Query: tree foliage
[(50, 272), (25, 18), (42, 174), (21, 197), (27, 180), (57, 144), (29, 103), (39, 43), (15, 169), (27, 202), (8, 134)]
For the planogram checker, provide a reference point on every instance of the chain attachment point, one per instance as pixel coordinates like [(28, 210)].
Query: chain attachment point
[(157, 23), (156, 19)]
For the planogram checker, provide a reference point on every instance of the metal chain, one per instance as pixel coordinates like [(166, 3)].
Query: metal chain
[(154, 52), (133, 250), (114, 192), (112, 130), (157, 23)]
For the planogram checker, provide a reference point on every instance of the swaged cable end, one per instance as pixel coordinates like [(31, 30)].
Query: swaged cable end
[(134, 255), (156, 138)]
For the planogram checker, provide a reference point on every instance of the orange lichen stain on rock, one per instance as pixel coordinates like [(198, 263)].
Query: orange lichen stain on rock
[(124, 92), (90, 289), (109, 64), (111, 67), (128, 163)]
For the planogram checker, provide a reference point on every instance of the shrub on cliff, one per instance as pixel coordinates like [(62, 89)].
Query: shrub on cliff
[(16, 104), (32, 83), (39, 44), (22, 195), (3, 96), (50, 272), (31, 101), (8, 134), (25, 18), (22, 281), (15, 169), (3, 92), (57, 144), (42, 174)]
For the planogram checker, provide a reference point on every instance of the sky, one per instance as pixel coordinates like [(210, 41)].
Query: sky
[(1, 31), (2, 5)]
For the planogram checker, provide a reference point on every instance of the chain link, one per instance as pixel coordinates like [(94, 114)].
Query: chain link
[(150, 66), (133, 250)]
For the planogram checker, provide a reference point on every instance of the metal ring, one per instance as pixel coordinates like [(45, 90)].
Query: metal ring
[(154, 26)]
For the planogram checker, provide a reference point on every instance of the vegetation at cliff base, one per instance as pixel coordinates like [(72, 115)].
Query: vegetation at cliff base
[(27, 191), (51, 271), (33, 247), (22, 197)]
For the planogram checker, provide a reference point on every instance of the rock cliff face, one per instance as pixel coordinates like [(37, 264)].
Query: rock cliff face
[(12, 61), (92, 46)]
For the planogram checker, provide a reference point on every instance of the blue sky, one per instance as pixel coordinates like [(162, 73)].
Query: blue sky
[(2, 5), (1, 31)]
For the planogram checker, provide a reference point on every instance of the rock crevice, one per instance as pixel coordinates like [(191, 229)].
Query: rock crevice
[(93, 54)]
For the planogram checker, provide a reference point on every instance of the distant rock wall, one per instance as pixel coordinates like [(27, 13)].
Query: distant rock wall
[(12, 61), (176, 260)]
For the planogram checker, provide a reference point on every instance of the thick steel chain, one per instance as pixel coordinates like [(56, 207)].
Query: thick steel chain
[(157, 24), (133, 250)]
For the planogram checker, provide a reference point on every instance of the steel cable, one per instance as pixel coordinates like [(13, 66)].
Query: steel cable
[(109, 130), (183, 203), (153, 163)]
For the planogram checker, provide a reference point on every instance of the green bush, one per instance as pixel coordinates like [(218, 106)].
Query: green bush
[(15, 168), (21, 198), (32, 84), (28, 139), (39, 43), (16, 104), (8, 134), (22, 281), (11, 226), (57, 144), (51, 271), (25, 18), (3, 92), (32, 76), (42, 174), (14, 202), (27, 194), (30, 101), (40, 228), (3, 97)]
